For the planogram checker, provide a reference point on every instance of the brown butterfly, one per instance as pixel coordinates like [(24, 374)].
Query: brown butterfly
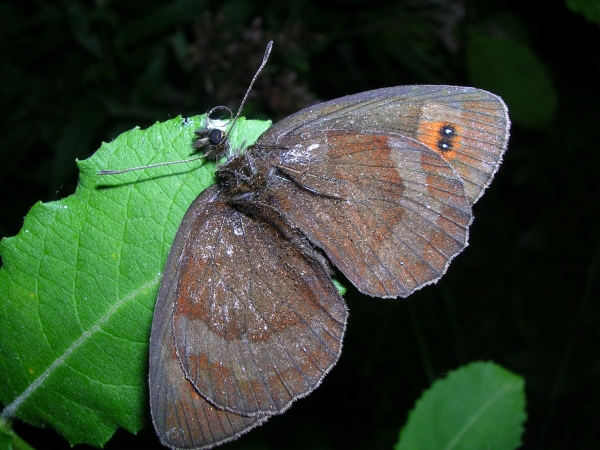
[(378, 184)]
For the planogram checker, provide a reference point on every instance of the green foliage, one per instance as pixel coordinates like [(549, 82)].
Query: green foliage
[(590, 9), (481, 405), (79, 282), (9, 440), (496, 63), (6, 434)]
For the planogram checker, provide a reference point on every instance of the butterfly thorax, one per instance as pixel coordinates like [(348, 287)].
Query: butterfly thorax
[(243, 176)]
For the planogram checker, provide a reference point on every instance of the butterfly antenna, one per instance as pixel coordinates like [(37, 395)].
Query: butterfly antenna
[(131, 169), (262, 65)]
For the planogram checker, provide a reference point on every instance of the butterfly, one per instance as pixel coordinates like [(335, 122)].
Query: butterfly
[(379, 185)]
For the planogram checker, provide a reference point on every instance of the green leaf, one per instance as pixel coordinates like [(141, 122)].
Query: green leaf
[(498, 65), (590, 9), (79, 282), (8, 439), (6, 435), (478, 406), (339, 286)]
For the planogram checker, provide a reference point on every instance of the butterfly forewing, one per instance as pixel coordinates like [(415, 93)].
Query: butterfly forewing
[(182, 417), (249, 340), (468, 127)]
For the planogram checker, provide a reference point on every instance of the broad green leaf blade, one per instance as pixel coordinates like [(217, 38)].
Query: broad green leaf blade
[(478, 406), (498, 64), (590, 9), (79, 282)]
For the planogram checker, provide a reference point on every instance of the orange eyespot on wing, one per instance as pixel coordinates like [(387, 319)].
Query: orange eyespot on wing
[(441, 137)]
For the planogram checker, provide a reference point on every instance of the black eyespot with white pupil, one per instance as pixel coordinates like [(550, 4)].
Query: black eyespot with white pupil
[(447, 133), (216, 136)]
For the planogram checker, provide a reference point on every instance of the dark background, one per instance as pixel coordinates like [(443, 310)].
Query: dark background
[(525, 293)]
